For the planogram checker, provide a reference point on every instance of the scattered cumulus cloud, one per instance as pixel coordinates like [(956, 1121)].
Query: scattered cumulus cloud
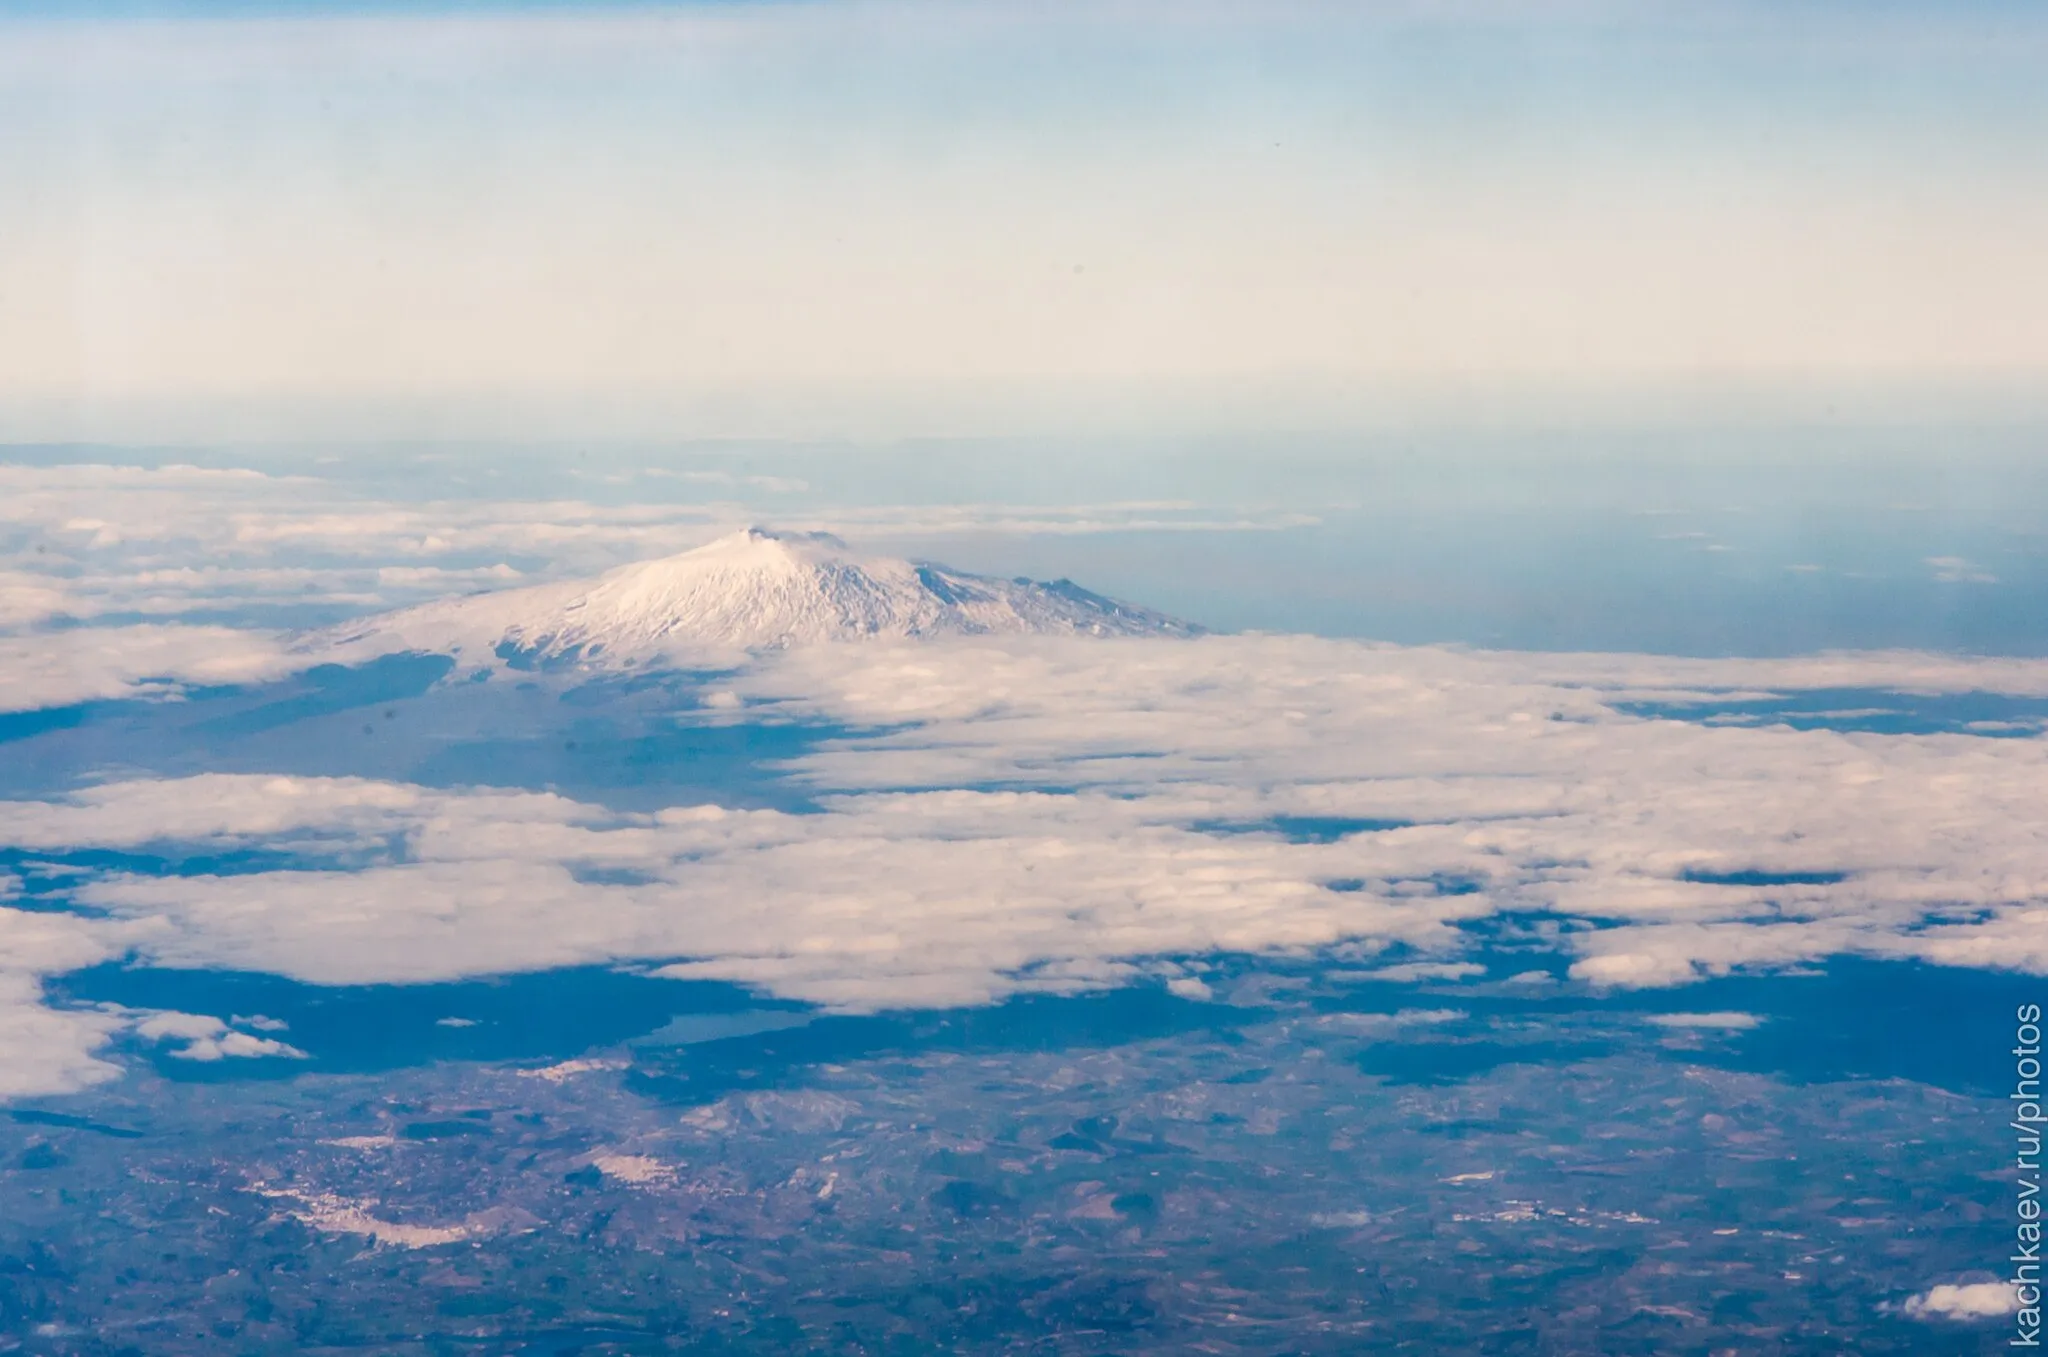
[(1423, 970), (1388, 1024), (204, 1038), (1964, 1301), (1713, 1022), (1957, 570)]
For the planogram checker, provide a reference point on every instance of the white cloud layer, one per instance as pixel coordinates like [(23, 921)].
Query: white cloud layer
[(89, 664), (1520, 777), (44, 1050), (1045, 814)]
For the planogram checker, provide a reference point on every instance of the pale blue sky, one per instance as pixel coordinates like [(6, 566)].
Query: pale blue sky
[(897, 217)]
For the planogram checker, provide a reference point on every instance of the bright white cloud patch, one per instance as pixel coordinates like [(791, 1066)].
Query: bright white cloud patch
[(43, 1051), (1967, 1301)]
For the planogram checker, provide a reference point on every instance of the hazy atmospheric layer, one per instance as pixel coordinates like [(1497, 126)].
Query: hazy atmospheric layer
[(893, 216)]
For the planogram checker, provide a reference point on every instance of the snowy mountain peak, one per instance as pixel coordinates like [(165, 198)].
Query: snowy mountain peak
[(754, 589), (760, 544)]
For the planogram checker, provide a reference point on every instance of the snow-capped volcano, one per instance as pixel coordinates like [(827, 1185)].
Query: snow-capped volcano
[(752, 590)]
